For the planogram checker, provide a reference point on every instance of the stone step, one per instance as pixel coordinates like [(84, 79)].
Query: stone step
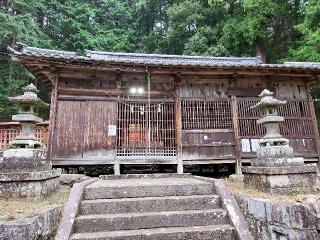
[(149, 204), (134, 221), (157, 187), (217, 232)]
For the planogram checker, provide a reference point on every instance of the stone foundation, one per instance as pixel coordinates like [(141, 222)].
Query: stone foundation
[(29, 184), (41, 226), (281, 180), (269, 220)]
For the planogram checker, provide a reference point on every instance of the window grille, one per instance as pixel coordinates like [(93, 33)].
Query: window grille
[(206, 114), (296, 113), (144, 131)]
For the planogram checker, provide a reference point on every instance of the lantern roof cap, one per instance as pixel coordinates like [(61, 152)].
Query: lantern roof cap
[(30, 88), (29, 97), (268, 101)]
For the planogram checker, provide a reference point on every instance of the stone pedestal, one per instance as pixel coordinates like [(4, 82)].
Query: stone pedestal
[(281, 180), (24, 160), (29, 184), (27, 173)]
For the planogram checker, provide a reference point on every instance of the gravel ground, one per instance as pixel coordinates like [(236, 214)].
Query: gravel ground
[(238, 188)]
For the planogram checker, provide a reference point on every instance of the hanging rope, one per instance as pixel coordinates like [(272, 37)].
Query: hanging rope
[(119, 100)]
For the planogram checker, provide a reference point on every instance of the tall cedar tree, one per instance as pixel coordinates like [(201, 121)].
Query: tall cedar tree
[(277, 30)]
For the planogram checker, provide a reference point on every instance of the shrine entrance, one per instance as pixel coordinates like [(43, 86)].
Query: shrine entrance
[(146, 129)]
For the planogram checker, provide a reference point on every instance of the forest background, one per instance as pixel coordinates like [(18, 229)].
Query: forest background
[(276, 30)]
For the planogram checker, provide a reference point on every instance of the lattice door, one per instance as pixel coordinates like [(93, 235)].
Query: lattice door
[(146, 130)]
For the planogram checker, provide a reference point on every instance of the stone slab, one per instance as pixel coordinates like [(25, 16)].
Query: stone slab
[(24, 160), (271, 161), (41, 226), (71, 209), (29, 176), (149, 204), (151, 187), (280, 170), (282, 180), (147, 220), (217, 232), (145, 176), (35, 184), (27, 118), (29, 189)]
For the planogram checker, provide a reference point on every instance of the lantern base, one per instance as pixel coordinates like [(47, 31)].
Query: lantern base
[(29, 184), (24, 160), (281, 180)]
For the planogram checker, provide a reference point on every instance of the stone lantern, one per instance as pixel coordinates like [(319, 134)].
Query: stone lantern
[(27, 116), (276, 170), (24, 169), (274, 149)]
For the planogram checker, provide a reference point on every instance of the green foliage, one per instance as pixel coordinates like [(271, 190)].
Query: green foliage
[(17, 23), (278, 29), (296, 191), (309, 46)]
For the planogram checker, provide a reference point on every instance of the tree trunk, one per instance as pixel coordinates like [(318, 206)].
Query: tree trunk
[(260, 51)]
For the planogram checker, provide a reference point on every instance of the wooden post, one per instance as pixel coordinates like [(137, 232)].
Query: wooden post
[(315, 127), (234, 114), (53, 110), (5, 145), (178, 119), (116, 168)]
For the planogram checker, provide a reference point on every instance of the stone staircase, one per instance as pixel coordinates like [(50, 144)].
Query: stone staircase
[(151, 207)]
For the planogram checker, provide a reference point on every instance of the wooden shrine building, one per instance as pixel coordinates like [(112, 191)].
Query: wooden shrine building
[(130, 108)]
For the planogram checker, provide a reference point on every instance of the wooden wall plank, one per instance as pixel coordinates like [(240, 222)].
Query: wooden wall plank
[(99, 115), (82, 128)]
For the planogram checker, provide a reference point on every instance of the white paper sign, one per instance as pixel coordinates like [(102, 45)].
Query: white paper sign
[(254, 144), (112, 130), (245, 144)]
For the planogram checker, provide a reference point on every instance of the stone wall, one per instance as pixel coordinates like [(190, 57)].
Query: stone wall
[(280, 221), (42, 226)]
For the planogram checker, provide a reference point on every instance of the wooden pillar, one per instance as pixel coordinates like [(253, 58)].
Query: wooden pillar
[(53, 110), (234, 114), (315, 127), (178, 119)]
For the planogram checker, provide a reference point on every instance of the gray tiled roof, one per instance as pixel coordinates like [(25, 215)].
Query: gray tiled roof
[(156, 59), (24, 50), (161, 59), (136, 58), (303, 64)]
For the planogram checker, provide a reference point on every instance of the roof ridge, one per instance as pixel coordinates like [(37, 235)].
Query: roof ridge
[(153, 59), (302, 63), (89, 52)]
